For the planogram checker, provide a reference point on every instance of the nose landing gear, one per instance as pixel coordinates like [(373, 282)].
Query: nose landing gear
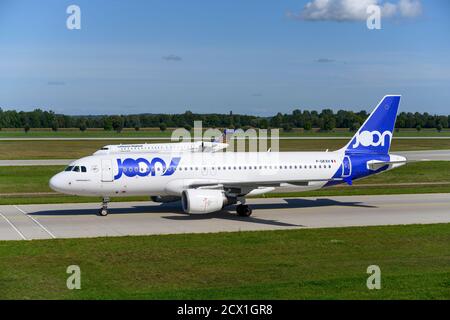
[(104, 209)]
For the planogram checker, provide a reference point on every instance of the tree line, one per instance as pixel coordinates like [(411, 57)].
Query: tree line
[(326, 120)]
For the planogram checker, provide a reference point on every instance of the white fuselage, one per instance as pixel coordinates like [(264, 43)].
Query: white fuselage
[(152, 173)]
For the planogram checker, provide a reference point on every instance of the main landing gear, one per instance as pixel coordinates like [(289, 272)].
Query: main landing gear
[(104, 209), (244, 210)]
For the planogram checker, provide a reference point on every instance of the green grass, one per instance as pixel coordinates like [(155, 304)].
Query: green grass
[(156, 132), (90, 133), (35, 179), (27, 178), (294, 264)]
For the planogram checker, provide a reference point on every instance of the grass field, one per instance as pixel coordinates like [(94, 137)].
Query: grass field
[(35, 179), (156, 132), (16, 150), (295, 264)]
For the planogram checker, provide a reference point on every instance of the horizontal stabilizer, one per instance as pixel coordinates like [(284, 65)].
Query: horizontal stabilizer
[(375, 164)]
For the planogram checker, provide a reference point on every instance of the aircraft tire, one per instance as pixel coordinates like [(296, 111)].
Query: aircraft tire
[(243, 210)]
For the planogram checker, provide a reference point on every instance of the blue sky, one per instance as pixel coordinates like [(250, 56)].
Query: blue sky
[(253, 57)]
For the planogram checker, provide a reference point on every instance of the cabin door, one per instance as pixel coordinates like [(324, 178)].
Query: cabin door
[(346, 167), (107, 172)]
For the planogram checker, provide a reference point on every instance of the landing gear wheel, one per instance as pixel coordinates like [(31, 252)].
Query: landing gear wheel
[(104, 209), (244, 210)]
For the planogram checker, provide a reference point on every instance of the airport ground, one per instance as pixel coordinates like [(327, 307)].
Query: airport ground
[(74, 149), (156, 132), (304, 263), (288, 264)]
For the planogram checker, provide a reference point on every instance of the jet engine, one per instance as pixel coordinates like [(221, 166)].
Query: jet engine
[(203, 201)]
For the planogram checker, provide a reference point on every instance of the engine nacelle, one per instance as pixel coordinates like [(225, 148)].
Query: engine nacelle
[(202, 200)]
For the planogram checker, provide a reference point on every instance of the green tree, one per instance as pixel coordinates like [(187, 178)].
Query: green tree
[(26, 128), (287, 127), (307, 126), (107, 124), (55, 125), (83, 126), (354, 126), (162, 126), (117, 124), (329, 123)]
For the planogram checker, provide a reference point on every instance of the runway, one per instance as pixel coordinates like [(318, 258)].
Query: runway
[(47, 221), (43, 162)]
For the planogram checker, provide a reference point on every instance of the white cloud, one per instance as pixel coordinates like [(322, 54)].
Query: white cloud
[(355, 10), (410, 8)]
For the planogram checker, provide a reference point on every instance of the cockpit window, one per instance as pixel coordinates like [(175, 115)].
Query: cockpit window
[(69, 168), (104, 148), (83, 169), (76, 169)]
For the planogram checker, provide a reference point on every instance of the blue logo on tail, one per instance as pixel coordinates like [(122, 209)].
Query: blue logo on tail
[(375, 134)]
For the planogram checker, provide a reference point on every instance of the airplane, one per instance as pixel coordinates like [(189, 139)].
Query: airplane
[(208, 182), (197, 146)]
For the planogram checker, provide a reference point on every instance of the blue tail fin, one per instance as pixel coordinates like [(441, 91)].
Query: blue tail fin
[(375, 134)]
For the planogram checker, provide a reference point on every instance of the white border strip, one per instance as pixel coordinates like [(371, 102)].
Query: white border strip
[(37, 222), (13, 226)]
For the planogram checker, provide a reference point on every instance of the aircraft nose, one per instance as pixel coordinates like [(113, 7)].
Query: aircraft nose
[(56, 183)]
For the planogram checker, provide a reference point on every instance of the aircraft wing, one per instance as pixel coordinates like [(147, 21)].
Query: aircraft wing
[(245, 187), (259, 183)]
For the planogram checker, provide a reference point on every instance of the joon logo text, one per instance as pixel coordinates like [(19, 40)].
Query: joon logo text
[(142, 167), (372, 139)]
